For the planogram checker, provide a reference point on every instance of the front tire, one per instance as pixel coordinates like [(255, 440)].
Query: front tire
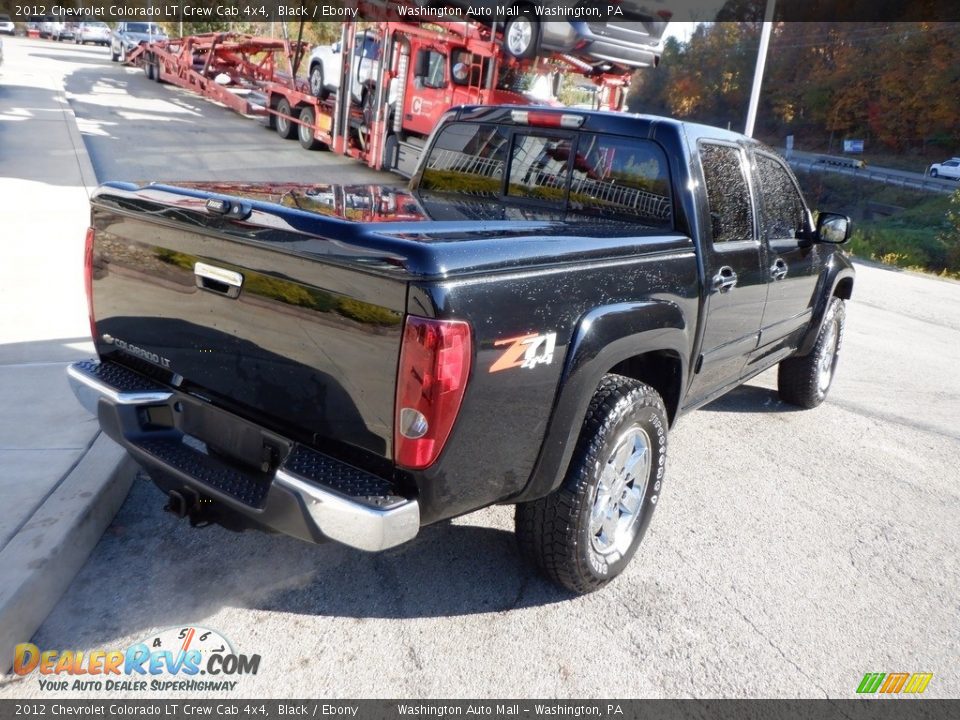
[(933, 172), (806, 380), (584, 533), (317, 88)]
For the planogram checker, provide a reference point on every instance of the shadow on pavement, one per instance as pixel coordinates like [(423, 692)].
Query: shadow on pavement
[(69, 53), (152, 570), (750, 399)]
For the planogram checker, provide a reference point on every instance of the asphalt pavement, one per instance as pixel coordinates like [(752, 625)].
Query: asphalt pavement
[(792, 551)]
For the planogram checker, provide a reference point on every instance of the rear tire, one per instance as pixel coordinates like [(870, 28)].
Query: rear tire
[(305, 131), (285, 127), (584, 533), (805, 381)]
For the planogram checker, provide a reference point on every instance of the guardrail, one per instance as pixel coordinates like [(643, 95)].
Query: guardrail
[(916, 182)]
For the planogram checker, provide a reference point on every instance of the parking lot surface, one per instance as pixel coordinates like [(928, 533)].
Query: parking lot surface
[(792, 551)]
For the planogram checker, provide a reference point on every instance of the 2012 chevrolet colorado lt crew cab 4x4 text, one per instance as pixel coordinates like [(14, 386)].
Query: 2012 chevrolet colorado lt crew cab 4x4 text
[(522, 325)]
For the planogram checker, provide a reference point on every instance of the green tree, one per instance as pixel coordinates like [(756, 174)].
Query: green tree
[(951, 236)]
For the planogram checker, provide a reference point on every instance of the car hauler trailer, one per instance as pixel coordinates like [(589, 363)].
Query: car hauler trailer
[(422, 71)]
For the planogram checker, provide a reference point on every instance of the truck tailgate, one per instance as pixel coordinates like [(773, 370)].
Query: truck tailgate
[(252, 310)]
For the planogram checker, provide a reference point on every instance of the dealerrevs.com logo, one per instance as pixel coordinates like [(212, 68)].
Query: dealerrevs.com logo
[(187, 659)]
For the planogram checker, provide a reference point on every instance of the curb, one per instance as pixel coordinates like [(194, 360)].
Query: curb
[(40, 562), (84, 164)]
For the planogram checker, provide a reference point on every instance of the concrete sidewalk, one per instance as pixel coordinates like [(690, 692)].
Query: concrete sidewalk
[(61, 481)]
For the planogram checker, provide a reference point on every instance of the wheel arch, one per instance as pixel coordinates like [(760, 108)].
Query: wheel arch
[(839, 280), (844, 288), (648, 341)]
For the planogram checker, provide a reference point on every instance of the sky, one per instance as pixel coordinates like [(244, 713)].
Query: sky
[(680, 30)]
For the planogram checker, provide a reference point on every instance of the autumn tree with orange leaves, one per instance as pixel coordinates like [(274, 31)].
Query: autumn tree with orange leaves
[(892, 84)]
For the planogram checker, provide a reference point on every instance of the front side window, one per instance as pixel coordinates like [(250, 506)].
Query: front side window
[(731, 211), (783, 213), (435, 70)]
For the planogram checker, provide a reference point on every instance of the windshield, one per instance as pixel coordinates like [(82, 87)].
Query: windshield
[(143, 28)]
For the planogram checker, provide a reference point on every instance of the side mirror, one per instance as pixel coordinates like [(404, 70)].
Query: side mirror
[(833, 228)]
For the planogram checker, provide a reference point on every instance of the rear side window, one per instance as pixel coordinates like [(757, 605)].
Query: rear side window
[(731, 212), (603, 176)]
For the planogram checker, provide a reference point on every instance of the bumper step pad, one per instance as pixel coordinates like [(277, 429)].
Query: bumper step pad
[(351, 482), (207, 470)]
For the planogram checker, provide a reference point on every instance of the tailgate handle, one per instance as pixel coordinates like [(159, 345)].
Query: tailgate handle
[(218, 280)]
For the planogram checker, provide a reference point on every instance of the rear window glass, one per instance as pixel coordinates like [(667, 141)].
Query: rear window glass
[(621, 176), (599, 175), (467, 159), (538, 167)]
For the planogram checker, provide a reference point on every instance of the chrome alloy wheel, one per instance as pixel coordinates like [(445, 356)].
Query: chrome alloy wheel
[(615, 515), (520, 37), (829, 358)]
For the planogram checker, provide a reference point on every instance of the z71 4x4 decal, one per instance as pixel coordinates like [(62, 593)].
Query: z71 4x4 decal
[(526, 351)]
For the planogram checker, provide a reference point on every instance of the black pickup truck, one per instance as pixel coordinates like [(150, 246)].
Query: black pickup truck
[(522, 325)]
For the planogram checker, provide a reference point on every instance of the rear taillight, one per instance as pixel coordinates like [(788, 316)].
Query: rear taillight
[(434, 366), (88, 279)]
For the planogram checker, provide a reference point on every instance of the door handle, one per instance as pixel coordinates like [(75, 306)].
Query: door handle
[(779, 270), (725, 279), (217, 280)]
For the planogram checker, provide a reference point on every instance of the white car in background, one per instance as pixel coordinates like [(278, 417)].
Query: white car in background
[(92, 32), (6, 25), (948, 169), (326, 66)]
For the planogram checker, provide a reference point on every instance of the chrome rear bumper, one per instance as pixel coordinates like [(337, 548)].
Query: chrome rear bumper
[(309, 495)]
